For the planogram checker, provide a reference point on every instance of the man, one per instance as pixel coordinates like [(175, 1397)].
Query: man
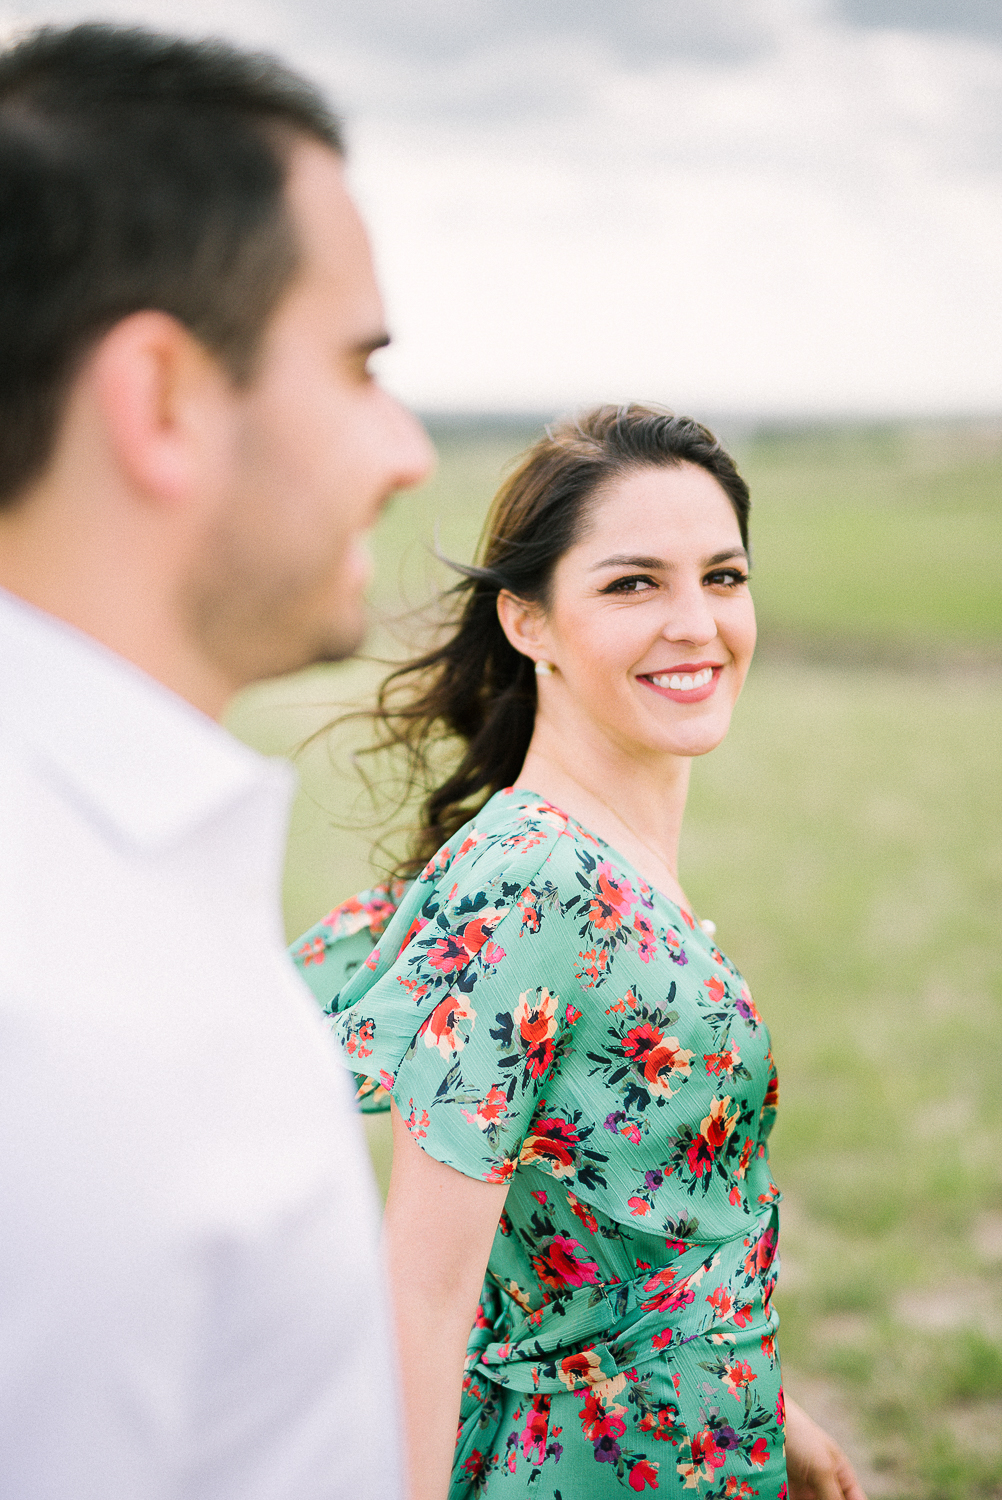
[(191, 447)]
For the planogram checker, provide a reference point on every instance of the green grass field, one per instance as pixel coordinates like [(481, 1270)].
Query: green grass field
[(846, 840)]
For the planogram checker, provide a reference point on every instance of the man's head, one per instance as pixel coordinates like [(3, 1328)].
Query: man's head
[(187, 297)]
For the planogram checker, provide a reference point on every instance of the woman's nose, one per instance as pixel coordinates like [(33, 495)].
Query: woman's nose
[(690, 617)]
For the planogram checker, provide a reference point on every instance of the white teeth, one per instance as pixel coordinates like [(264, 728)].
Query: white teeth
[(683, 683)]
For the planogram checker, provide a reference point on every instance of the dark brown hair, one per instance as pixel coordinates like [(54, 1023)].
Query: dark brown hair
[(136, 171), (476, 688)]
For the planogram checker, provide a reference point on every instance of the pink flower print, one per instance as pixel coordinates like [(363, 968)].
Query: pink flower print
[(560, 1265), (647, 946), (536, 1430), (643, 1473), (615, 897)]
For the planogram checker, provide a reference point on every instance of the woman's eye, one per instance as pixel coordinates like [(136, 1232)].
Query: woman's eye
[(728, 578), (633, 585)]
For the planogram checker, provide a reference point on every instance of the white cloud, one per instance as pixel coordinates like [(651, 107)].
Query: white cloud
[(789, 213)]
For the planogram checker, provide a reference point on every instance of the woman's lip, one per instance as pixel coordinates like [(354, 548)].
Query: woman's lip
[(695, 692)]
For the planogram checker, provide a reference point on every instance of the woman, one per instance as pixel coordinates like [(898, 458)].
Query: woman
[(582, 1086)]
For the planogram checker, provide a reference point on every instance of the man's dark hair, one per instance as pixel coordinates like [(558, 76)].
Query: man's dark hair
[(136, 171)]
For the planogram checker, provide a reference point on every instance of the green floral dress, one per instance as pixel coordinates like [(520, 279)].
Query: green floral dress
[(544, 1018)]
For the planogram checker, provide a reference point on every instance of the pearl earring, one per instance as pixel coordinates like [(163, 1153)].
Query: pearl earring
[(544, 669)]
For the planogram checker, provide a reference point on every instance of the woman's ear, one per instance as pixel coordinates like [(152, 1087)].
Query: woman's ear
[(524, 623)]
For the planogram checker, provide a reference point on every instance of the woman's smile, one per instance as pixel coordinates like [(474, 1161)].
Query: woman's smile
[(689, 683)]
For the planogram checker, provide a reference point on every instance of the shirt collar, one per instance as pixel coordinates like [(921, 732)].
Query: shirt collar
[(142, 758)]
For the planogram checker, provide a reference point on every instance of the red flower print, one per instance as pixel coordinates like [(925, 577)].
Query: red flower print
[(661, 1423), (501, 1171), (540, 1196), (663, 1294), (644, 1473), (492, 953), (559, 1265), (657, 1056), (530, 914), (416, 926), (440, 1028), (552, 1142), (743, 1316), (715, 989), (760, 1453), (699, 1155), (663, 1339), (705, 1452), (639, 1207), (359, 1039), (593, 963), (762, 1253), (781, 1408), (640, 1040), (597, 1421)]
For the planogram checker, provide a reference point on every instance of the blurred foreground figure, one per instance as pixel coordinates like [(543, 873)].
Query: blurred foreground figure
[(191, 447)]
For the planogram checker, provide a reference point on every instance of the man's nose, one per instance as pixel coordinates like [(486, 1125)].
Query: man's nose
[(414, 457)]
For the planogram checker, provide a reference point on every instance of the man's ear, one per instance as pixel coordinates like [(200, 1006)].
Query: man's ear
[(162, 400), (524, 623)]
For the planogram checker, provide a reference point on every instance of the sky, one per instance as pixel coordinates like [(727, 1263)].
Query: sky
[(764, 208)]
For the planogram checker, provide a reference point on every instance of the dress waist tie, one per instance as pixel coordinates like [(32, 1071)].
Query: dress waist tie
[(606, 1328)]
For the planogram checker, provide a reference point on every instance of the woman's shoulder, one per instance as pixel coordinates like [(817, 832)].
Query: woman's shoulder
[(513, 835)]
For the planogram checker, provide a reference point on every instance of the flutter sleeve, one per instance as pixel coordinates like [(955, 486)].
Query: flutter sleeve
[(467, 1007)]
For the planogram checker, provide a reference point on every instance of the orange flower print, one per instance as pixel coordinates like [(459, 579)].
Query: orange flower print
[(490, 1109), (358, 1039), (582, 1212), (723, 1063), (312, 952), (737, 1376), (441, 1028), (585, 1369)]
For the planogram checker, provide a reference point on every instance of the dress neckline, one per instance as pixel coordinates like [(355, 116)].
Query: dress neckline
[(527, 794)]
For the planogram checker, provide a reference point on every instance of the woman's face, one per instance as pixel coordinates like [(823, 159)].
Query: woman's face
[(651, 624)]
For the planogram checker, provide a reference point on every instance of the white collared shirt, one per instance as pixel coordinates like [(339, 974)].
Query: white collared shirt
[(190, 1291)]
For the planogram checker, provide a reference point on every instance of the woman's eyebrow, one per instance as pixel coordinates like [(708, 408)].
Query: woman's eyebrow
[(622, 560)]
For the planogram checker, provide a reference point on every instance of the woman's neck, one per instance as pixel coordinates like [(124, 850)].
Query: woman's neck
[(636, 807)]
